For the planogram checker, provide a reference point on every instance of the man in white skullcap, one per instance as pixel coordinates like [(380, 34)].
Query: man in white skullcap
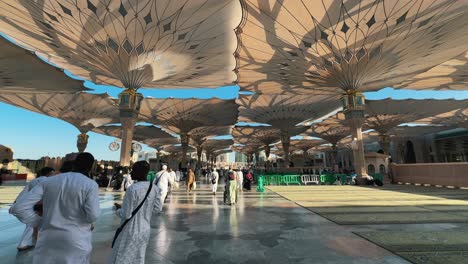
[(214, 178), (163, 184)]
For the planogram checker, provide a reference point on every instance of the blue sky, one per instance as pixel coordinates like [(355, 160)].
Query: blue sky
[(33, 135)]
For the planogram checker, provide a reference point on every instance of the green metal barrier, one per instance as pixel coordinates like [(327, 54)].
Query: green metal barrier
[(342, 178), (327, 179), (276, 179), (291, 179)]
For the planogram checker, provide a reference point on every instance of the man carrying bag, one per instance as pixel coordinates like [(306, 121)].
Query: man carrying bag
[(140, 202)]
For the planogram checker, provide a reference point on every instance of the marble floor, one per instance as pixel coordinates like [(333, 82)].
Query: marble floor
[(198, 228)]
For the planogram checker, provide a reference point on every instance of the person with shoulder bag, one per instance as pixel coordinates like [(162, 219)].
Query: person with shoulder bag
[(140, 202)]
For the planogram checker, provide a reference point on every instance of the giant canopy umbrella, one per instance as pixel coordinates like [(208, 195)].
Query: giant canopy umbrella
[(302, 145), (187, 116), (305, 144), (456, 118), (263, 134), (22, 71), (285, 112), (130, 44), (211, 146), (141, 133), (217, 153), (249, 150), (145, 134), (383, 115), (159, 143), (177, 150), (450, 75), (346, 47), (251, 141), (396, 132), (200, 134), (84, 111), (332, 131), (413, 131)]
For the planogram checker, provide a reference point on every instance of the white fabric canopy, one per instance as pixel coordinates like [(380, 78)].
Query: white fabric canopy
[(131, 43), (84, 111), (22, 71), (327, 46)]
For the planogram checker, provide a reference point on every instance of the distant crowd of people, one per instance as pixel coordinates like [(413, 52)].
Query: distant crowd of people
[(59, 208)]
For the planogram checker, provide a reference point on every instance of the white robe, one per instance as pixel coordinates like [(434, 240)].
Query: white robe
[(214, 176), (163, 184), (130, 246), (240, 179), (173, 180), (27, 237), (71, 205)]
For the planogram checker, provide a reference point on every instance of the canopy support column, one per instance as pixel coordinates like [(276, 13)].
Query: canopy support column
[(184, 140), (199, 155), (129, 106), (384, 142), (353, 108), (285, 141), (267, 156), (334, 155)]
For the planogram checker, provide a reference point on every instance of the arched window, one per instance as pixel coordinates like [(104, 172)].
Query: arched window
[(382, 169), (370, 169)]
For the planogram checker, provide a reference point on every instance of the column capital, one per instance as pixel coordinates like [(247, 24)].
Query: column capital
[(285, 138), (82, 141), (184, 139), (354, 104), (384, 137), (130, 100)]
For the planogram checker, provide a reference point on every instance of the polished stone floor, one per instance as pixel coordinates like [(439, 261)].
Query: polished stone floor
[(198, 228)]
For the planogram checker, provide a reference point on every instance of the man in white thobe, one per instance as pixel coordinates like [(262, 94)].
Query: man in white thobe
[(163, 184), (178, 175), (173, 177), (71, 205), (27, 240), (130, 245), (240, 179), (214, 178)]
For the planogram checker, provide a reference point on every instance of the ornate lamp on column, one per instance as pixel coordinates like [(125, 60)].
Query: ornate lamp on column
[(353, 108), (129, 106), (82, 142)]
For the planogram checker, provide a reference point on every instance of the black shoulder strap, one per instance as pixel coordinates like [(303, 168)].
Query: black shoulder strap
[(135, 211)]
